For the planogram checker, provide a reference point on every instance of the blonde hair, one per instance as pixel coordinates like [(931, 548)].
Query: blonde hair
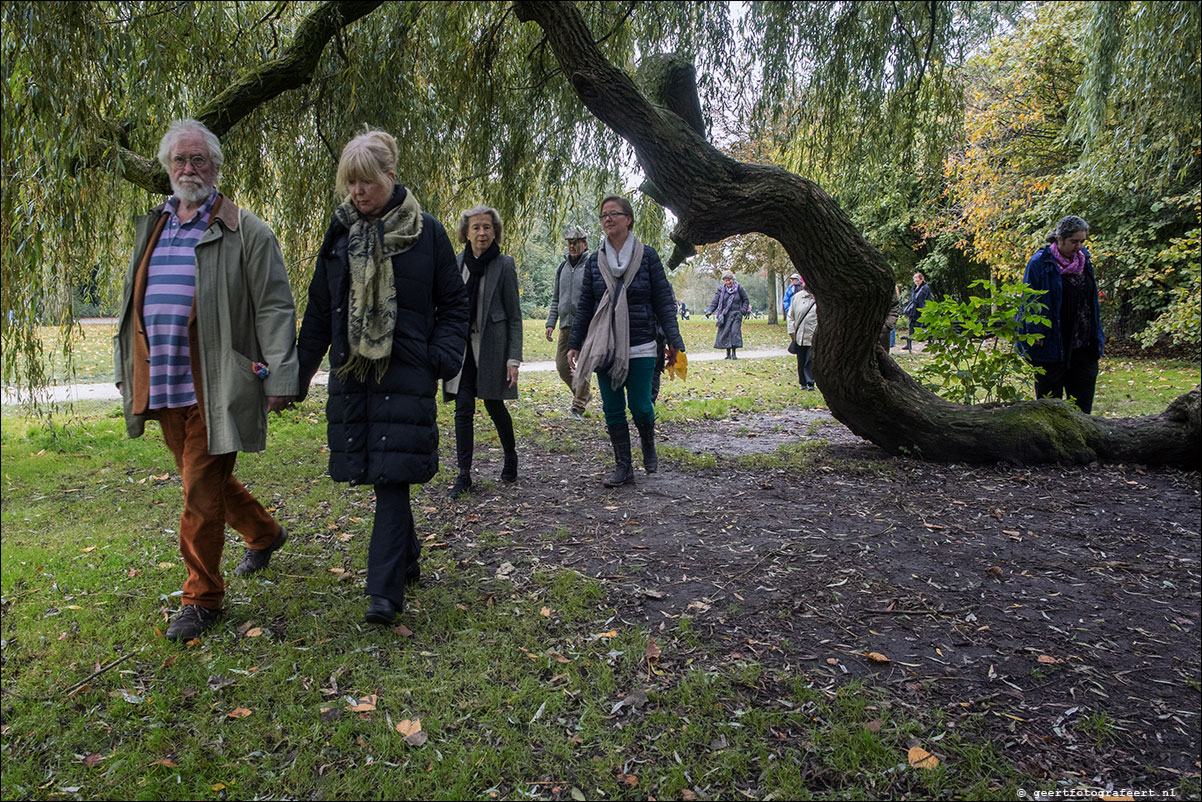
[(370, 156), (467, 214)]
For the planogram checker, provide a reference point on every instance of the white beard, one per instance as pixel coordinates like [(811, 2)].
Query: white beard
[(191, 190)]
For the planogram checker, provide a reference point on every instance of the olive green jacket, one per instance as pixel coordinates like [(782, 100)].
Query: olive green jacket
[(243, 312)]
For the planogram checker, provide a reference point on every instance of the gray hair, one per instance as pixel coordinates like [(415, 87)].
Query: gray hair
[(467, 214), (179, 128), (1068, 225), (370, 156), (727, 274)]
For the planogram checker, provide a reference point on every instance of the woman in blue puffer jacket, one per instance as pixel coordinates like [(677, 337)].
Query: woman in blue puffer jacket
[(624, 296), (1069, 349)]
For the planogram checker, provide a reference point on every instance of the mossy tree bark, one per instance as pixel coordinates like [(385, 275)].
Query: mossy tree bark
[(714, 197)]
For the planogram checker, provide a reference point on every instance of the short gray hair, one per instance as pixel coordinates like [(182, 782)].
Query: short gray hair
[(1068, 225), (467, 214), (180, 127)]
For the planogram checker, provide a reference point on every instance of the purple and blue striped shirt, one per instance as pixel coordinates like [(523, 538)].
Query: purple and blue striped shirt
[(170, 289)]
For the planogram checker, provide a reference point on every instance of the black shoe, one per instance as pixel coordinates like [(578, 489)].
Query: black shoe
[(380, 611), (191, 621), (733, 354), (414, 573), (257, 559), (462, 486), (647, 437), (510, 472), (619, 436)]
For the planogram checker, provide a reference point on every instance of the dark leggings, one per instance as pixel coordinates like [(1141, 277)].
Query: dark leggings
[(465, 411), (805, 360)]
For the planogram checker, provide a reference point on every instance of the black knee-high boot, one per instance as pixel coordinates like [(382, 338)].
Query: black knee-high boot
[(647, 436), (619, 436)]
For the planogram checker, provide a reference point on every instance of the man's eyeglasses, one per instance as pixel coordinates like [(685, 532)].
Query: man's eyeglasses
[(611, 215), (198, 162)]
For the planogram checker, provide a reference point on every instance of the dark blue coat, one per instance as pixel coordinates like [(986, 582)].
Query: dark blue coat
[(386, 431), (649, 299), (1043, 274)]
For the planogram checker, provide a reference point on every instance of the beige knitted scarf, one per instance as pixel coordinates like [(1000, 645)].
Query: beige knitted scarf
[(372, 314)]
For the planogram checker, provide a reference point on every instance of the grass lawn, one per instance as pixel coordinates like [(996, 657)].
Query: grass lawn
[(508, 690)]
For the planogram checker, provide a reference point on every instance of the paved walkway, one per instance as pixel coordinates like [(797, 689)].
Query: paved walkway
[(107, 391)]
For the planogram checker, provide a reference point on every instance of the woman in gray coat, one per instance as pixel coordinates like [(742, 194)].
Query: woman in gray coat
[(494, 349), (729, 306)]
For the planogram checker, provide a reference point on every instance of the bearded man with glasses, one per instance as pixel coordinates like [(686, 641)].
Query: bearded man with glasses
[(206, 345)]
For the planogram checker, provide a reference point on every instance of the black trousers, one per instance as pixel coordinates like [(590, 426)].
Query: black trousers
[(805, 361), (465, 411), (394, 544), (1077, 378)]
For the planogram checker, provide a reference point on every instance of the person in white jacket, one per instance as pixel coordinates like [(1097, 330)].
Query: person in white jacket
[(803, 320)]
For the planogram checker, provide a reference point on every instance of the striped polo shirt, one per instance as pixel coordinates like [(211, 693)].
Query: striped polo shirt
[(170, 288)]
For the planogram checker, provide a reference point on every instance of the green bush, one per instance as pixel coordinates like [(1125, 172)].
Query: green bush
[(970, 344)]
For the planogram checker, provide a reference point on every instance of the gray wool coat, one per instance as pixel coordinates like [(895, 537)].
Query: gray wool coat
[(495, 332)]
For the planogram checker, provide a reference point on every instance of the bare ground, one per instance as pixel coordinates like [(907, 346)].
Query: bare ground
[(1055, 609)]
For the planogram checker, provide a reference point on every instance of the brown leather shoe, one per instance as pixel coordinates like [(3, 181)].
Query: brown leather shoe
[(191, 621), (257, 559)]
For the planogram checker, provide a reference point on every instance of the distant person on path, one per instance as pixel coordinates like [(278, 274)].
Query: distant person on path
[(891, 319), (920, 293), (209, 384), (387, 302), (1072, 345), (791, 290), (729, 306), (684, 311), (494, 352), (625, 296), (564, 297), (802, 322)]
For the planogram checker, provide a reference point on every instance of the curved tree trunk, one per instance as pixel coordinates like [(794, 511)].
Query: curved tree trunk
[(715, 197)]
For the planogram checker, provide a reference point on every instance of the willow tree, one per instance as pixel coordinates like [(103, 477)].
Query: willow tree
[(489, 108)]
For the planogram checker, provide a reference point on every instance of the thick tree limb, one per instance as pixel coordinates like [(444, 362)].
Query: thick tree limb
[(293, 68), (715, 197)]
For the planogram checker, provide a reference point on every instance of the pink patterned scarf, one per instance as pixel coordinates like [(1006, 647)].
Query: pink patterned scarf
[(1073, 267)]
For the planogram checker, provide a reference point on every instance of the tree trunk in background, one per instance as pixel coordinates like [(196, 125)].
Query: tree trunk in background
[(776, 299), (715, 197)]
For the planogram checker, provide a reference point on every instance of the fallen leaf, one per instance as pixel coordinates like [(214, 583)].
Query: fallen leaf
[(921, 759), (166, 762), (408, 727), (687, 795), (1047, 658), (653, 651), (629, 780), (254, 632), (877, 657), (832, 661), (613, 633), (364, 705), (238, 712), (170, 661), (403, 631), (545, 612), (559, 658), (85, 551), (417, 739), (218, 786), (93, 759), (874, 725)]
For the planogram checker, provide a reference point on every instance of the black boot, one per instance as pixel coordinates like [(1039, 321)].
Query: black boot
[(462, 486), (647, 435), (734, 353), (727, 354), (509, 473), (619, 435)]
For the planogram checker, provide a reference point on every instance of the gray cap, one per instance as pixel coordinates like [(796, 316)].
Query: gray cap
[(575, 232)]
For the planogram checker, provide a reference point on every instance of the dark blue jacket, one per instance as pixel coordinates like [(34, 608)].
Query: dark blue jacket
[(918, 299), (386, 431), (1043, 274), (649, 299)]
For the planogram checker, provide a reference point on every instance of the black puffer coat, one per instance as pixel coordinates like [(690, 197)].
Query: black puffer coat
[(386, 431), (649, 299)]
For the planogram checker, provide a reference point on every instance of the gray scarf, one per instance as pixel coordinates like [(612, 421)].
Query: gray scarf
[(607, 346), (372, 314)]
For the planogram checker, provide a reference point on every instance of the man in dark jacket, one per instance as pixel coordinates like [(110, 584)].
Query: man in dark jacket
[(564, 298)]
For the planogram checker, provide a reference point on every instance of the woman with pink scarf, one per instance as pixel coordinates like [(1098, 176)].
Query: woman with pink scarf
[(1071, 346)]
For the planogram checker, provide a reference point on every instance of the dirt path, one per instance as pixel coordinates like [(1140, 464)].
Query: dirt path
[(1055, 609)]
